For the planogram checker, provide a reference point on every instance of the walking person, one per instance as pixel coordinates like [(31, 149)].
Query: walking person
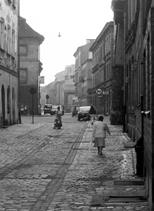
[(92, 113), (58, 119), (99, 134)]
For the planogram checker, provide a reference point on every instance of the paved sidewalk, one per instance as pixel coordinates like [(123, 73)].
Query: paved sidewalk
[(105, 182)]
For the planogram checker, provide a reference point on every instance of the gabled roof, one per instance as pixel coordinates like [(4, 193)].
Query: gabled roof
[(25, 31)]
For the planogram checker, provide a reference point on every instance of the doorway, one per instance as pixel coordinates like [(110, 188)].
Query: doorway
[(3, 104)]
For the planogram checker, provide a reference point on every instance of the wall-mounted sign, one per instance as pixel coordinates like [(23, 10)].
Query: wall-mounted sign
[(99, 92)]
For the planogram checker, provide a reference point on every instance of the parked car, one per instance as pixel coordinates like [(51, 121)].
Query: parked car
[(83, 113), (48, 109), (54, 109)]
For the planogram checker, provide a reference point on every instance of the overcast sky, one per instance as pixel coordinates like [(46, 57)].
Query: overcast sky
[(76, 20)]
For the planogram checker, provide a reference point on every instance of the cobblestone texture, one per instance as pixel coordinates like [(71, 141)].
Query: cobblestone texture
[(59, 170)]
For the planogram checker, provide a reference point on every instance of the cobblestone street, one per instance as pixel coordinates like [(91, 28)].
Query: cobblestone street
[(45, 169)]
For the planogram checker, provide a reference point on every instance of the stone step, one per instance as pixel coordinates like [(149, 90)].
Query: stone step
[(129, 182)]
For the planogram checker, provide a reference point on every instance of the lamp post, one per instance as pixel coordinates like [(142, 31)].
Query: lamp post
[(47, 98)]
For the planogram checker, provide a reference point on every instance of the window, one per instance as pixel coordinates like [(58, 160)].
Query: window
[(90, 56), (13, 41), (14, 4), (8, 100), (8, 38), (2, 32), (23, 75)]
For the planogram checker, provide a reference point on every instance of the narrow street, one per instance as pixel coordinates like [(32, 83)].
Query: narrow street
[(42, 169)]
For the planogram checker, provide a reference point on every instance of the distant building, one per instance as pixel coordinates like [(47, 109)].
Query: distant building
[(59, 88), (102, 50), (30, 66), (83, 79), (69, 87), (48, 90), (62, 90), (8, 62)]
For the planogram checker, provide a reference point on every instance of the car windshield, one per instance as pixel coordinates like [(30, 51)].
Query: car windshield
[(84, 109)]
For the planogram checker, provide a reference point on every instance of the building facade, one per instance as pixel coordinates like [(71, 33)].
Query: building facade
[(117, 114), (69, 87), (30, 67), (48, 90), (138, 19), (62, 90), (102, 50), (9, 11), (59, 88), (83, 78)]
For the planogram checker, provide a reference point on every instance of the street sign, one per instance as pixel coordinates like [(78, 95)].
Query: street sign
[(99, 91)]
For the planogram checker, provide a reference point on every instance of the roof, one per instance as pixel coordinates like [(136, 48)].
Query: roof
[(87, 45), (100, 36), (25, 31)]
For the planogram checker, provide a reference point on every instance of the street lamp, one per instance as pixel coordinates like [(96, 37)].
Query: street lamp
[(47, 98)]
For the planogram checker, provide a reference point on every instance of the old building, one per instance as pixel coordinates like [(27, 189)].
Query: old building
[(48, 90), (102, 50), (30, 67), (69, 87), (8, 62), (138, 19), (65, 88), (83, 79), (117, 114), (62, 90), (59, 88)]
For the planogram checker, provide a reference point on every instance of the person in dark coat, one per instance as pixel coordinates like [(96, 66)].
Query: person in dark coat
[(92, 113)]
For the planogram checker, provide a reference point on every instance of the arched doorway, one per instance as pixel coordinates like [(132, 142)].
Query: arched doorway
[(3, 104)]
